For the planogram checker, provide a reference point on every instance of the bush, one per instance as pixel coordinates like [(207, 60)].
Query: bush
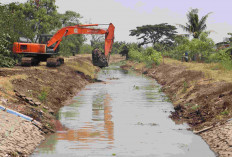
[(6, 55), (148, 56), (153, 56), (86, 48), (223, 57), (202, 46)]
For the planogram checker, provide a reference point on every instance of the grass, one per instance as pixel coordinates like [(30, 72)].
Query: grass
[(195, 107), (43, 94), (225, 112), (185, 87), (160, 90), (188, 104), (140, 66), (6, 85), (136, 87), (213, 71), (84, 67)]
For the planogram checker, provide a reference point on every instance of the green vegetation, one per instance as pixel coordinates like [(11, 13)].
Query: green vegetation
[(166, 43), (148, 55), (43, 94), (136, 87), (198, 49), (195, 107), (86, 48), (71, 44), (185, 87), (225, 112), (155, 34), (194, 25), (6, 56)]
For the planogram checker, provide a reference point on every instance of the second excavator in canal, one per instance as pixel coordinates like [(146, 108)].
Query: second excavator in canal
[(47, 48)]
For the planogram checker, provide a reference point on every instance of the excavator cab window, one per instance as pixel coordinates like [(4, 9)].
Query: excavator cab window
[(44, 38), (23, 47)]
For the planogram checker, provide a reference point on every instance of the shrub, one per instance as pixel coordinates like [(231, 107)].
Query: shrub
[(148, 56), (223, 57), (86, 48), (202, 46), (42, 96), (6, 56)]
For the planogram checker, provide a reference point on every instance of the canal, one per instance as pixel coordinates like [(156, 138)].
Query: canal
[(125, 115)]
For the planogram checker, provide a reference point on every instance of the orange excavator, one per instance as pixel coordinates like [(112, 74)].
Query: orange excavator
[(48, 45)]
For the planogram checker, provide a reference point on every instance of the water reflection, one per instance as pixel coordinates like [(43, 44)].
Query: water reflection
[(92, 132)]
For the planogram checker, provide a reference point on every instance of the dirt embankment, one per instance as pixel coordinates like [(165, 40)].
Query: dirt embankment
[(38, 92), (206, 105)]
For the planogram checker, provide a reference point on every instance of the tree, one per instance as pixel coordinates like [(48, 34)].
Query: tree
[(13, 26), (12, 22), (71, 44), (42, 16), (195, 26), (230, 38), (203, 45), (152, 34), (70, 18)]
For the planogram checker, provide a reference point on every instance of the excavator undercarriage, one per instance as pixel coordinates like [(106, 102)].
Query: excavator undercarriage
[(51, 61)]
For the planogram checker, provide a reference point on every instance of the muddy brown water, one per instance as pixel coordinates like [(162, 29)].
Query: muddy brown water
[(124, 116)]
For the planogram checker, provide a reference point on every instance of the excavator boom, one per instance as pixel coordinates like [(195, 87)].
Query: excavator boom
[(82, 29)]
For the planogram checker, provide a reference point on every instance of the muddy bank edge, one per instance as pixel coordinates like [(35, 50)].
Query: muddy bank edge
[(38, 92), (203, 103)]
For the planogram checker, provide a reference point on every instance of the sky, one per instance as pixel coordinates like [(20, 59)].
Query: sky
[(128, 14)]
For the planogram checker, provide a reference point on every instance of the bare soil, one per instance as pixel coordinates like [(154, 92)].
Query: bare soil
[(206, 105)]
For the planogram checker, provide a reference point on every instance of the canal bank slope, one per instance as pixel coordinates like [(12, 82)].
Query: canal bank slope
[(38, 92), (200, 100)]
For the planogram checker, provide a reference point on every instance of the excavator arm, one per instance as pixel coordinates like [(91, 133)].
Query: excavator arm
[(83, 29)]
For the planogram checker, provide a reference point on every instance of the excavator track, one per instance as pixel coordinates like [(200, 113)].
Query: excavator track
[(99, 59), (54, 62), (29, 61)]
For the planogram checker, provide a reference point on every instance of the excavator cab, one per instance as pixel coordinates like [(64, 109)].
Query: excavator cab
[(43, 39)]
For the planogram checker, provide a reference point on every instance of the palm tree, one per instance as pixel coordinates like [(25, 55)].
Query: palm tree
[(194, 26)]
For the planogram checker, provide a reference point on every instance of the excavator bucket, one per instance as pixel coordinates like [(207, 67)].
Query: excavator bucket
[(99, 59)]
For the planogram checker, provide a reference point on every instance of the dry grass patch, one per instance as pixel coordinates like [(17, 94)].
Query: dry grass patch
[(7, 86), (84, 67), (212, 71)]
